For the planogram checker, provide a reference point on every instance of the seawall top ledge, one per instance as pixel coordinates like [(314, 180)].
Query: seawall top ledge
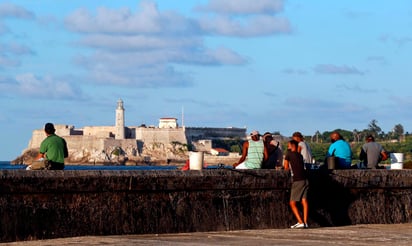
[(23, 181)]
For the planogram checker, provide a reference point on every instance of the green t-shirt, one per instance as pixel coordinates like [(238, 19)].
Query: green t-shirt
[(54, 147), (254, 156)]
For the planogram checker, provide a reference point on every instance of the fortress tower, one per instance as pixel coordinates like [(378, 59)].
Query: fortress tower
[(119, 127)]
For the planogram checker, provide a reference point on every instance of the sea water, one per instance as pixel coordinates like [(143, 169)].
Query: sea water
[(6, 165)]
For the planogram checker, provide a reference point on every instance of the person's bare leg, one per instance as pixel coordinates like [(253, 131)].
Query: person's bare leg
[(305, 210), (295, 211)]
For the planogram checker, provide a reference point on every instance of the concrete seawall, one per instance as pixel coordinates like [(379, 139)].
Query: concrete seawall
[(54, 204)]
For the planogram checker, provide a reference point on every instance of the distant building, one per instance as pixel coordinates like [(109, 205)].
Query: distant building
[(134, 137), (168, 123), (219, 152)]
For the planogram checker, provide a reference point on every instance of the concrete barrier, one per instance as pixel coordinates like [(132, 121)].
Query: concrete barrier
[(54, 204)]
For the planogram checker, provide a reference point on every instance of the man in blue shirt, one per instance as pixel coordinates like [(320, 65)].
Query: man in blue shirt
[(341, 150)]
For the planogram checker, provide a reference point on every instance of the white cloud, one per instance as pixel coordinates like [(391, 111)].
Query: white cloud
[(136, 48), (378, 59), (46, 87), (243, 6), (147, 20), (333, 69), (112, 21), (294, 71), (9, 10), (137, 42), (356, 88), (10, 52), (259, 25), (3, 29), (225, 56), (15, 49), (403, 41), (244, 18), (144, 77), (5, 61)]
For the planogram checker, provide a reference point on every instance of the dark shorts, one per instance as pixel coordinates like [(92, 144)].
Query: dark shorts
[(55, 165), (299, 190)]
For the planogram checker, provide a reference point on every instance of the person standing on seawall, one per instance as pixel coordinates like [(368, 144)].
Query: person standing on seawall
[(300, 184), (341, 150), (53, 149), (372, 153), (253, 153), (303, 148)]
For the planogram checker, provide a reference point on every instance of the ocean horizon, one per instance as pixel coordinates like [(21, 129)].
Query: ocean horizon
[(6, 165)]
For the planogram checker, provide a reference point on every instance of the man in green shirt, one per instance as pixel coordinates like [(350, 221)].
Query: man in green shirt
[(253, 153), (53, 149)]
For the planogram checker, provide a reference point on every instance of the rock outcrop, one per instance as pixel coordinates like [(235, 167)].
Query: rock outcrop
[(154, 154)]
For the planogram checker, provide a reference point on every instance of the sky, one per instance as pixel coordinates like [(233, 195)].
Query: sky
[(267, 65)]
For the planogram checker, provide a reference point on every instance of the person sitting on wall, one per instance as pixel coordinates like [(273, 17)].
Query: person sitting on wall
[(372, 153), (253, 153), (341, 150), (53, 149), (274, 152)]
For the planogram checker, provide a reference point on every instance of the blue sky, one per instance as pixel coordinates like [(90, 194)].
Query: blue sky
[(264, 64)]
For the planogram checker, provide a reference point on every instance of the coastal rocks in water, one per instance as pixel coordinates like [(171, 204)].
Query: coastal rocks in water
[(27, 157), (116, 155)]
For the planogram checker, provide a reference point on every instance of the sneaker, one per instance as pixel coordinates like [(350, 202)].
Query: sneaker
[(298, 225), (306, 226)]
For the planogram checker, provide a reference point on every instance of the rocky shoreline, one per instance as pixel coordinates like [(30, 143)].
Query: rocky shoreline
[(151, 159)]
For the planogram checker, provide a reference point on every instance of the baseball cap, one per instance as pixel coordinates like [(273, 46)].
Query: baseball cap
[(254, 133)]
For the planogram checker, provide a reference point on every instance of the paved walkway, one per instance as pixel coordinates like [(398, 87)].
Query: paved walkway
[(376, 235)]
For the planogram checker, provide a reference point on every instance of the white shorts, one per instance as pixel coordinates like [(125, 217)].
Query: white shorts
[(242, 166)]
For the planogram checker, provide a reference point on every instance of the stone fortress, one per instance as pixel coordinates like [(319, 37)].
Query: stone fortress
[(132, 145)]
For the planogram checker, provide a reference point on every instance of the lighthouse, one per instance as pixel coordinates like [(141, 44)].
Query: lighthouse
[(119, 127)]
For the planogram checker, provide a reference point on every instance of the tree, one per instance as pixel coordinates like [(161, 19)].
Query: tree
[(374, 129), (356, 135), (398, 131), (316, 136)]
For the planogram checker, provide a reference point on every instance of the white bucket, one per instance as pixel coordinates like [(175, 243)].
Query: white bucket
[(396, 157), (395, 166), (195, 160)]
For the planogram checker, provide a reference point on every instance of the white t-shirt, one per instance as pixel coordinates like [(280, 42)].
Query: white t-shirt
[(306, 152)]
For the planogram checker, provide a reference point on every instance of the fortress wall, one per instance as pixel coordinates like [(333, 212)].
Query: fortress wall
[(85, 149), (63, 130), (177, 135), (51, 204), (39, 135), (88, 143), (102, 131), (146, 135), (196, 133), (160, 135)]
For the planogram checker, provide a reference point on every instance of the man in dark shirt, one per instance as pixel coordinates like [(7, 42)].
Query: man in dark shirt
[(300, 185)]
